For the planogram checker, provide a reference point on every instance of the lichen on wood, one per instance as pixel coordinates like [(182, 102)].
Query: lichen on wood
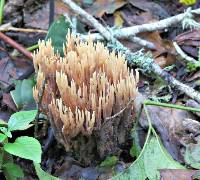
[(83, 91)]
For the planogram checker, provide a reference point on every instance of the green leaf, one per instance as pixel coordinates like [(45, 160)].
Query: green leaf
[(57, 33), (25, 147), (23, 93), (152, 158), (192, 155), (8, 176), (109, 161), (7, 158), (13, 169), (6, 132), (20, 120), (2, 137), (42, 174)]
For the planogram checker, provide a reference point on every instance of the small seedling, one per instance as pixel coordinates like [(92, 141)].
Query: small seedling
[(23, 147)]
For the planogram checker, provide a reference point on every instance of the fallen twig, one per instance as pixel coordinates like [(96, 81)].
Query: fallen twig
[(105, 33), (140, 61), (149, 27), (143, 43), (134, 39), (15, 45), (184, 56), (25, 30), (9, 27), (51, 11)]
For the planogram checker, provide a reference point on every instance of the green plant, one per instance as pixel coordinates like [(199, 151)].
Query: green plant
[(2, 3), (192, 66), (23, 93), (23, 147), (110, 161), (153, 156), (57, 36)]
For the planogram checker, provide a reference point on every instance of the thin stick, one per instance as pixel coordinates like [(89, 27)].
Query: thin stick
[(25, 30), (134, 39), (9, 27), (143, 42), (14, 44), (51, 11), (173, 106), (184, 56), (190, 92), (5, 26), (31, 48)]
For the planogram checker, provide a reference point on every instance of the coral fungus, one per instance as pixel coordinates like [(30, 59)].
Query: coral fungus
[(83, 88)]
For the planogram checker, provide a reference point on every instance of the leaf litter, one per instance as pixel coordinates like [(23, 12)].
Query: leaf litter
[(178, 130)]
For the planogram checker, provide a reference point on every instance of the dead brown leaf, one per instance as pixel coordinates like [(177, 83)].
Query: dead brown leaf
[(6, 68), (191, 50), (8, 100), (11, 69), (188, 36), (5, 115), (40, 17), (164, 61), (118, 21), (151, 7), (155, 38), (177, 174), (195, 76), (189, 41), (164, 55), (170, 124), (100, 7), (193, 104)]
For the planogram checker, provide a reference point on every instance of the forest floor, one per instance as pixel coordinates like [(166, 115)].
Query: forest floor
[(174, 49)]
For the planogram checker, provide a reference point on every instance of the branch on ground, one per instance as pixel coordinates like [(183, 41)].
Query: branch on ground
[(139, 58)]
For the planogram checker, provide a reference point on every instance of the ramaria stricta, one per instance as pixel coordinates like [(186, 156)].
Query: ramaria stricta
[(83, 90)]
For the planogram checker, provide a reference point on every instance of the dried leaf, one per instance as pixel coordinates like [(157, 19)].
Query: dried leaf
[(151, 7), (179, 174), (170, 125), (40, 18), (189, 35), (7, 99), (6, 66), (165, 51), (164, 54), (118, 19), (100, 7), (192, 152)]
